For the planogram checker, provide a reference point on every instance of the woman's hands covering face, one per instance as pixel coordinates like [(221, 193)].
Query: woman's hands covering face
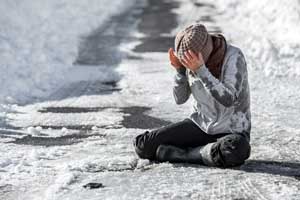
[(192, 60)]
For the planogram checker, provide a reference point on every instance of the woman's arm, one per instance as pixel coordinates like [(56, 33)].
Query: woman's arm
[(181, 89), (227, 91)]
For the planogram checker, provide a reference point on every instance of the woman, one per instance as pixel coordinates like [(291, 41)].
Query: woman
[(217, 132)]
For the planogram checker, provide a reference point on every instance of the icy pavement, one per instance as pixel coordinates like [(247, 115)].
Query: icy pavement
[(83, 133)]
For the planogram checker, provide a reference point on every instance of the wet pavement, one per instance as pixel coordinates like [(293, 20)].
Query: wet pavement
[(101, 47), (157, 21), (135, 117), (54, 141)]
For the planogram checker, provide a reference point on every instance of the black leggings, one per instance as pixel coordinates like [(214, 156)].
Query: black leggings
[(184, 134)]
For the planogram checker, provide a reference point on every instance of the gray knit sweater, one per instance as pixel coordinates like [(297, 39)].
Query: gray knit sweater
[(219, 106)]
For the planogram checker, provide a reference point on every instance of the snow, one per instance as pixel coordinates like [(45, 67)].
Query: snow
[(38, 60), (39, 40), (269, 30), (34, 130)]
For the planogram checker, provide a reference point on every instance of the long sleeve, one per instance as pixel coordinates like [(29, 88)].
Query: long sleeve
[(227, 90), (181, 88)]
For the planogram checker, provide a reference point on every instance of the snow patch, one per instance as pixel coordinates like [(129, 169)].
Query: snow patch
[(39, 43), (268, 33)]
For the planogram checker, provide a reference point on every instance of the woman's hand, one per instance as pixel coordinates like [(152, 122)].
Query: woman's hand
[(174, 60), (192, 61)]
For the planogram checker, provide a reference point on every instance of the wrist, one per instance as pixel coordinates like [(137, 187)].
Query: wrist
[(198, 67), (199, 70)]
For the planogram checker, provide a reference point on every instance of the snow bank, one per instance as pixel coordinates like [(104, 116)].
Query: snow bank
[(268, 31), (39, 41)]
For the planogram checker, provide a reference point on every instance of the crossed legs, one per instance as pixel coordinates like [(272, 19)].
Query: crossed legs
[(184, 141)]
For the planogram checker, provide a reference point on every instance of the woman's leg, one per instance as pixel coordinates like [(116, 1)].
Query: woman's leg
[(228, 151), (181, 134)]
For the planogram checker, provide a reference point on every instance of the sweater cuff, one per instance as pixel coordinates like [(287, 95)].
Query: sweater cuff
[(202, 71), (181, 70)]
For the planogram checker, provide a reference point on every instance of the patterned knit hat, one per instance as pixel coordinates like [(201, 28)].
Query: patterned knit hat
[(194, 37)]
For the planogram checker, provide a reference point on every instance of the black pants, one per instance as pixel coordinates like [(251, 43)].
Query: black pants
[(228, 148)]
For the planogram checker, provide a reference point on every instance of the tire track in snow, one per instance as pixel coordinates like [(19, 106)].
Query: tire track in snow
[(224, 188), (251, 189)]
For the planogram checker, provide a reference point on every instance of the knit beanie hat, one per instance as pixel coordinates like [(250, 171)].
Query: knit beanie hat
[(196, 38)]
